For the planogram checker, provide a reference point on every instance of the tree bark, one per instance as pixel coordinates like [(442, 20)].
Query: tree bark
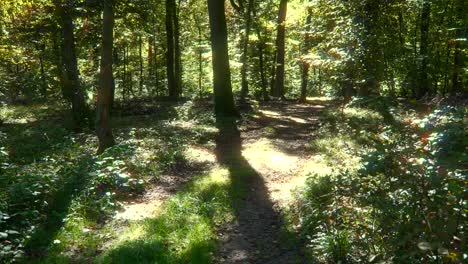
[(261, 57), (278, 88), (223, 97), (245, 49), (305, 63), (423, 52), (458, 62), (140, 54), (71, 79), (177, 50), (43, 76), (103, 130), (171, 82)]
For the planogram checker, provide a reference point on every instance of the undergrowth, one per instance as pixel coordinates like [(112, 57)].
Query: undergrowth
[(398, 193), (56, 195)]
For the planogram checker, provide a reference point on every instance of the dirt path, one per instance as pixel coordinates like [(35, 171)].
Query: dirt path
[(273, 154)]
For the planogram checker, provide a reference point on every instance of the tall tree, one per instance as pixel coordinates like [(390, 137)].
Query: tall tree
[(170, 59), (177, 49), (305, 62), (223, 97), (458, 61), (245, 49), (104, 99), (423, 51), (71, 79), (278, 87)]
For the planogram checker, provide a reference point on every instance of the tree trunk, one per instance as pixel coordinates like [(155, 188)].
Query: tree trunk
[(177, 51), (278, 89), (171, 82), (223, 97), (458, 62), (150, 63), (103, 130), (58, 60), (200, 61), (305, 63), (423, 52), (245, 49), (261, 57), (70, 65), (43, 76), (140, 54), (371, 55)]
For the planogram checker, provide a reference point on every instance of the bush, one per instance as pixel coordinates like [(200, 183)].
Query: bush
[(406, 203)]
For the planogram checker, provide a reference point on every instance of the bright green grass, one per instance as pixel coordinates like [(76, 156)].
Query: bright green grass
[(184, 231)]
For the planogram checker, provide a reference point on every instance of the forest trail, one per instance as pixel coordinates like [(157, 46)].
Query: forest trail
[(267, 156), (273, 156)]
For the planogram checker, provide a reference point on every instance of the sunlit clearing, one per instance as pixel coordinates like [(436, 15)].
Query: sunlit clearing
[(263, 155)]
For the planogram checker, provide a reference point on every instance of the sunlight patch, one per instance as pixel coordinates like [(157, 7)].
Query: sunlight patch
[(263, 156)]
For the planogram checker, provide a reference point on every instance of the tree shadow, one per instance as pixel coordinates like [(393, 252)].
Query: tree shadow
[(256, 236), (45, 233), (291, 126)]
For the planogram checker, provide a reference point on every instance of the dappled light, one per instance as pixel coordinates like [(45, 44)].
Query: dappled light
[(233, 132)]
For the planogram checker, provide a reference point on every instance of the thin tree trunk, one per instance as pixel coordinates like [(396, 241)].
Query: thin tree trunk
[(177, 50), (261, 58), (458, 62), (223, 97), (200, 61), (278, 89), (171, 82), (58, 60), (245, 49), (140, 53), (43, 76), (70, 64), (423, 52), (150, 63), (103, 130), (305, 63)]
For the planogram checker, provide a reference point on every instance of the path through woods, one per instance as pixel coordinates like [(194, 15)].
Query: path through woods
[(273, 154), (267, 154)]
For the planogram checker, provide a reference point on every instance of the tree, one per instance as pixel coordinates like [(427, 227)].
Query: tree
[(278, 87), (423, 50), (71, 78), (305, 62), (223, 97), (245, 48), (458, 62), (173, 59), (170, 49), (104, 99)]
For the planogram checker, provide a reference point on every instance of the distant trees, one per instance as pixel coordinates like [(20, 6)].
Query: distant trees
[(223, 97), (104, 98), (49, 49)]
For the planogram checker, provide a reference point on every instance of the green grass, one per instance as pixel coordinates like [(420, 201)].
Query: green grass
[(184, 231), (52, 181)]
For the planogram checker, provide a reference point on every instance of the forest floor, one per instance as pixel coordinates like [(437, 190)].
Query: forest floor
[(183, 187), (274, 148), (274, 160), (178, 188)]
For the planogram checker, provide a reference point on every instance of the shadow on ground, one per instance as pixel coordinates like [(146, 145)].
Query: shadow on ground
[(256, 236)]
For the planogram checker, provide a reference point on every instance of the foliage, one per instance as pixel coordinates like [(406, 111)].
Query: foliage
[(405, 202)]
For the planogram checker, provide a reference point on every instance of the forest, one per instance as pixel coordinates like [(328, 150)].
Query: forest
[(240, 131)]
